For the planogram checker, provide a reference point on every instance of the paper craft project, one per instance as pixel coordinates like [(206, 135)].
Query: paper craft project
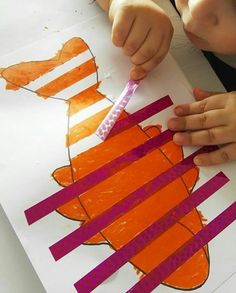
[(134, 204)]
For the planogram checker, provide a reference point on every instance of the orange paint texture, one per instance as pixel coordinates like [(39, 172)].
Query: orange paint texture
[(98, 199), (21, 74), (84, 99), (101, 197), (86, 127), (67, 79)]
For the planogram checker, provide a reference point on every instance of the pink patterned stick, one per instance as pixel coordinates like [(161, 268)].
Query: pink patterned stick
[(115, 112)]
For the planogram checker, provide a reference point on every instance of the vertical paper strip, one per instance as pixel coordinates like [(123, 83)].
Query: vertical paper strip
[(80, 235), (168, 266), (115, 112), (124, 254)]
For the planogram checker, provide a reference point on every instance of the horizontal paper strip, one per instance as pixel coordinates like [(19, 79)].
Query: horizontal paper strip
[(168, 266), (61, 197), (124, 254), (80, 235)]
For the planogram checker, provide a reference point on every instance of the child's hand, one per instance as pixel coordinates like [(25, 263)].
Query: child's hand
[(209, 121), (144, 32)]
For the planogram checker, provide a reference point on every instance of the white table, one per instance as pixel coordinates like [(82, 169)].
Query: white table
[(25, 21)]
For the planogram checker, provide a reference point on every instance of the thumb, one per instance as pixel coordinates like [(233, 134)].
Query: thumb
[(137, 73), (200, 94)]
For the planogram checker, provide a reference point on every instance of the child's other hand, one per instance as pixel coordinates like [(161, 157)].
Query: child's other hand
[(144, 32), (209, 121)]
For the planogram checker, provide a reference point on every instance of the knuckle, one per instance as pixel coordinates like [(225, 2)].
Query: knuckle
[(117, 37), (147, 53), (190, 138), (184, 123), (151, 64), (128, 8), (130, 48), (142, 56), (123, 9), (211, 136), (224, 156), (202, 106), (158, 59), (203, 120)]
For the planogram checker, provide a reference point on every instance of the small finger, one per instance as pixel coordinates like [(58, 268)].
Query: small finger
[(212, 136), (156, 59), (136, 37), (121, 28), (201, 94), (211, 103), (148, 49), (205, 120), (222, 155)]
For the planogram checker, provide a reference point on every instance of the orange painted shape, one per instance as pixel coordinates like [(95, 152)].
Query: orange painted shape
[(84, 99), (190, 275), (105, 194), (95, 157), (21, 74), (67, 79), (188, 178), (172, 151), (63, 176), (153, 130), (96, 239), (73, 210), (103, 153), (86, 127)]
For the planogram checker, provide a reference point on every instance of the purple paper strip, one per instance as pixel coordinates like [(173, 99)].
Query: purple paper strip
[(48, 205), (124, 254), (115, 112), (80, 235), (168, 266), (141, 115)]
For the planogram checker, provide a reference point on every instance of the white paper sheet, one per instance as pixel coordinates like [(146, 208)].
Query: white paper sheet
[(33, 145)]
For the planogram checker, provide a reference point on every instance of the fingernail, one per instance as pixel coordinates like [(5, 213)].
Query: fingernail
[(173, 123), (137, 74), (178, 138), (197, 161), (178, 110)]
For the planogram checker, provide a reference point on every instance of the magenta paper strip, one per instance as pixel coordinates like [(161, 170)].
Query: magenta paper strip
[(168, 266), (80, 235), (123, 255), (50, 204), (141, 115)]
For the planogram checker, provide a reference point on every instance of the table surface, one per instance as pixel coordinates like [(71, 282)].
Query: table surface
[(23, 22)]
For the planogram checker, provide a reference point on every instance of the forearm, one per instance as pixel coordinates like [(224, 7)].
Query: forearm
[(104, 4)]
